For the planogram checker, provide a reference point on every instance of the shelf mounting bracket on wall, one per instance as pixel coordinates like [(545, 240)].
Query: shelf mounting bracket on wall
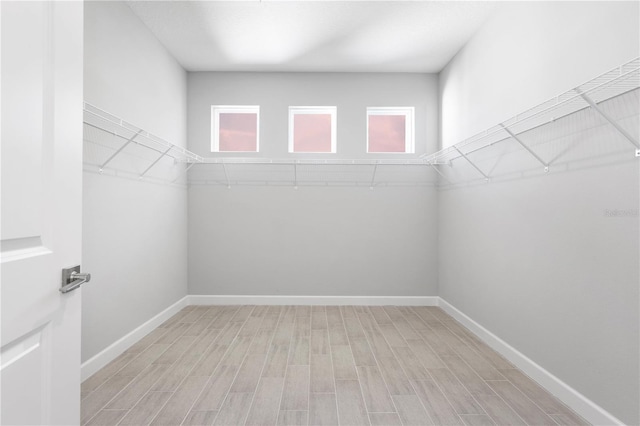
[(295, 175), (155, 162), (486, 177), (119, 150), (226, 176), (183, 172), (373, 176), (440, 173), (529, 150), (611, 121)]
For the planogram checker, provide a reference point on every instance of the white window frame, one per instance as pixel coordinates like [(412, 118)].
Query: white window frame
[(409, 131), (216, 110), (330, 110)]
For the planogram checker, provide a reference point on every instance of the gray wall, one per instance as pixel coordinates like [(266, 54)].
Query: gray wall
[(539, 264), (532, 257), (314, 240), (351, 93), (529, 52), (134, 232)]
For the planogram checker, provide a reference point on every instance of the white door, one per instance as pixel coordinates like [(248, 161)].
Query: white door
[(41, 169)]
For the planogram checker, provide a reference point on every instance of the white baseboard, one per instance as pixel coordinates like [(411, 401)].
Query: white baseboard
[(314, 300), (591, 411), (95, 363)]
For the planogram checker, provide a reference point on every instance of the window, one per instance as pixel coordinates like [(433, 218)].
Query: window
[(312, 129), (234, 128), (390, 130)]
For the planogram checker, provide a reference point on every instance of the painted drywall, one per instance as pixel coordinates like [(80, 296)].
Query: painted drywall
[(134, 232), (351, 93), (314, 240), (548, 262), (529, 52), (540, 264), (131, 74)]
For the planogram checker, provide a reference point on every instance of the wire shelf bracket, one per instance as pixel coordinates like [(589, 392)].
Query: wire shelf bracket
[(155, 162), (184, 172), (108, 160), (486, 176), (373, 176), (435, 167), (611, 121), (226, 175), (529, 150)]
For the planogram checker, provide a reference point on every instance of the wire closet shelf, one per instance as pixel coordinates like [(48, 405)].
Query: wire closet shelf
[(99, 119), (620, 80), (623, 79), (115, 138)]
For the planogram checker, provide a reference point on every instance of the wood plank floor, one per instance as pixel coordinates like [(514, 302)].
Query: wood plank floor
[(315, 365)]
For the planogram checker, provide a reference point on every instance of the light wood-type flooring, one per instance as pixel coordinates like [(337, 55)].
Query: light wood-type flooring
[(315, 365)]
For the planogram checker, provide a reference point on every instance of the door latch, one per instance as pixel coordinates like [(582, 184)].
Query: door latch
[(72, 278)]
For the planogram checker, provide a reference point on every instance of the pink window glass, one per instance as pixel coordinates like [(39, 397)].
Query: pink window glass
[(312, 133), (238, 131), (387, 133)]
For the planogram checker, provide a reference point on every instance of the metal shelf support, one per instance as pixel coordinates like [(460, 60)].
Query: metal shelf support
[(373, 176), (184, 172), (119, 150), (226, 176), (486, 177), (155, 162), (440, 173), (295, 175), (611, 121), (529, 150)]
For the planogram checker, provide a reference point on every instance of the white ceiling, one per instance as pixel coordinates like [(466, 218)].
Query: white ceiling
[(324, 36)]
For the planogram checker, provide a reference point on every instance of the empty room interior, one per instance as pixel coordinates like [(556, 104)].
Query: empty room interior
[(321, 213)]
